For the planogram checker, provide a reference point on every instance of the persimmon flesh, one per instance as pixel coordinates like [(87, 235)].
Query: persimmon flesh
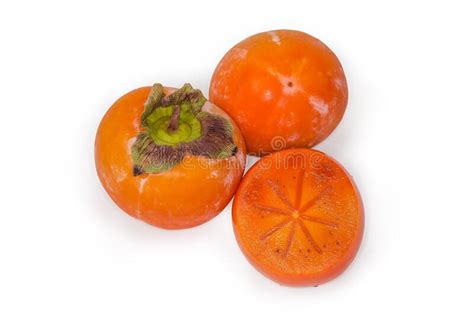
[(298, 217), (283, 88), (169, 157)]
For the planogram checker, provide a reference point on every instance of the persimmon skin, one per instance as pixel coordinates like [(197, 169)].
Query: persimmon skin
[(189, 194), (334, 218), (283, 88)]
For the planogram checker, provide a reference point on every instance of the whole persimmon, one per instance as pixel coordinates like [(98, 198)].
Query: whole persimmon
[(298, 217), (283, 88), (169, 157)]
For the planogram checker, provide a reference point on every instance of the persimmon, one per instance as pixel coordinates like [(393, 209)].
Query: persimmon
[(169, 157), (283, 88), (298, 217)]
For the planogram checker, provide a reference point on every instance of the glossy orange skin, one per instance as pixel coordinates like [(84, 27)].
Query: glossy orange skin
[(283, 88), (187, 195), (298, 217)]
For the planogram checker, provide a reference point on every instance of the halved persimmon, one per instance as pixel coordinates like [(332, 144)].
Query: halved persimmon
[(169, 157), (298, 217)]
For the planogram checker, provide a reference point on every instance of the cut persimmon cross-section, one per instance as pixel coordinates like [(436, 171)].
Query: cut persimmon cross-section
[(298, 217)]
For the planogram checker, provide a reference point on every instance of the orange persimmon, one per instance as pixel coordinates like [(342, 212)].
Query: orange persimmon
[(283, 88), (169, 157), (298, 217)]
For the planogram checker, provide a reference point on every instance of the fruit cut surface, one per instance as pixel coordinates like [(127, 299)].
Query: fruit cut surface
[(298, 217)]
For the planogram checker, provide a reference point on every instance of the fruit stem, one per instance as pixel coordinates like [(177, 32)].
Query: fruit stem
[(174, 121)]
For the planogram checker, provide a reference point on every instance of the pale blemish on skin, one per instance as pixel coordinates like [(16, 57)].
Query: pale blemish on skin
[(119, 173), (289, 84), (293, 137), (136, 124), (109, 187), (267, 95), (240, 53), (141, 186), (275, 38), (229, 178), (319, 105), (338, 83), (225, 96), (130, 143), (315, 125), (217, 204), (214, 89), (320, 126), (288, 121)]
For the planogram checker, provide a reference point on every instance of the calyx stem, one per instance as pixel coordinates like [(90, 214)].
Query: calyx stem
[(174, 120), (174, 126)]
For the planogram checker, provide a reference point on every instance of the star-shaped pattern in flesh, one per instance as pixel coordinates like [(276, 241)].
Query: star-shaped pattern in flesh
[(295, 213)]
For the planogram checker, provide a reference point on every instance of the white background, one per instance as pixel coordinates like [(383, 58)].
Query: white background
[(407, 138)]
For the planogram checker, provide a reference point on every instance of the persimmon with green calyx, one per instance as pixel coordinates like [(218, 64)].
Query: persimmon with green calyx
[(298, 217), (168, 156), (283, 88)]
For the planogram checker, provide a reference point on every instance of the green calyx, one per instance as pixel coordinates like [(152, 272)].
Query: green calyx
[(173, 126), (166, 128)]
